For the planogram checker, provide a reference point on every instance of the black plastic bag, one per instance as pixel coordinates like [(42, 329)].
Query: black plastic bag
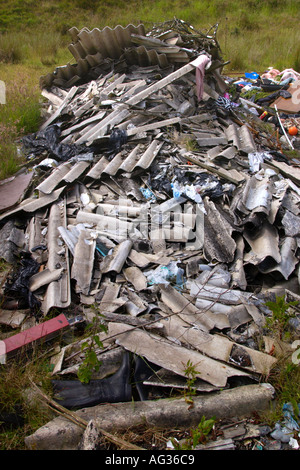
[(18, 286), (48, 140), (117, 139)]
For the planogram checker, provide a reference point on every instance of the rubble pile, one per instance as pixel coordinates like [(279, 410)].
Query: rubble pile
[(156, 195)]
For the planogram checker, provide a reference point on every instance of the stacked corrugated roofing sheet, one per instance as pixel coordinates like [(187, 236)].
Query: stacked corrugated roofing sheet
[(96, 51)]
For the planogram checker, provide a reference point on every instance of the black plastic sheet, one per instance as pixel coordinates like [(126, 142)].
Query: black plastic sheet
[(48, 140), (75, 394), (18, 285)]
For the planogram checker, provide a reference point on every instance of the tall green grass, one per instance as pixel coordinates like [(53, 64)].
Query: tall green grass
[(20, 115), (252, 33)]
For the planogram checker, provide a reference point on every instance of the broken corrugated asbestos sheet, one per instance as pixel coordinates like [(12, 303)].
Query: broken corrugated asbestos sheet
[(143, 205)]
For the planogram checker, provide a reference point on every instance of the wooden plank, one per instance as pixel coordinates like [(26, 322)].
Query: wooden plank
[(13, 345)]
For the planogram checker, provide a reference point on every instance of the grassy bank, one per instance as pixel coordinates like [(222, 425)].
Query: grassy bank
[(252, 34)]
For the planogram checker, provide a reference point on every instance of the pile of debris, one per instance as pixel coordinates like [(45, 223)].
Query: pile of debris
[(156, 196)]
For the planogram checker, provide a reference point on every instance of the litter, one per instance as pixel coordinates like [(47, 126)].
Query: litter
[(157, 196)]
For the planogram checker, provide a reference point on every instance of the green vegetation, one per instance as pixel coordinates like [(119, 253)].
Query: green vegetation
[(91, 363), (19, 403), (190, 373), (285, 375), (278, 322), (198, 435)]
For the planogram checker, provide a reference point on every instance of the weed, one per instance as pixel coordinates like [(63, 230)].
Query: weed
[(281, 315), (190, 373), (198, 435), (91, 363), (285, 374), (204, 428), (285, 378)]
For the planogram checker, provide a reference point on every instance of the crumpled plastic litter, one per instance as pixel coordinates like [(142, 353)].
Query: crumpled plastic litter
[(148, 194), (48, 140), (46, 163), (166, 274), (191, 191), (18, 285), (289, 417), (251, 75), (281, 433), (117, 138), (284, 430), (256, 159), (225, 103), (199, 189), (294, 443)]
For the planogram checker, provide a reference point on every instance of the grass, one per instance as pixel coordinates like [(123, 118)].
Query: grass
[(17, 400), (20, 115), (285, 375)]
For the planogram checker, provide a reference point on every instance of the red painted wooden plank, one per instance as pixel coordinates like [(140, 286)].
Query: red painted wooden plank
[(43, 331)]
